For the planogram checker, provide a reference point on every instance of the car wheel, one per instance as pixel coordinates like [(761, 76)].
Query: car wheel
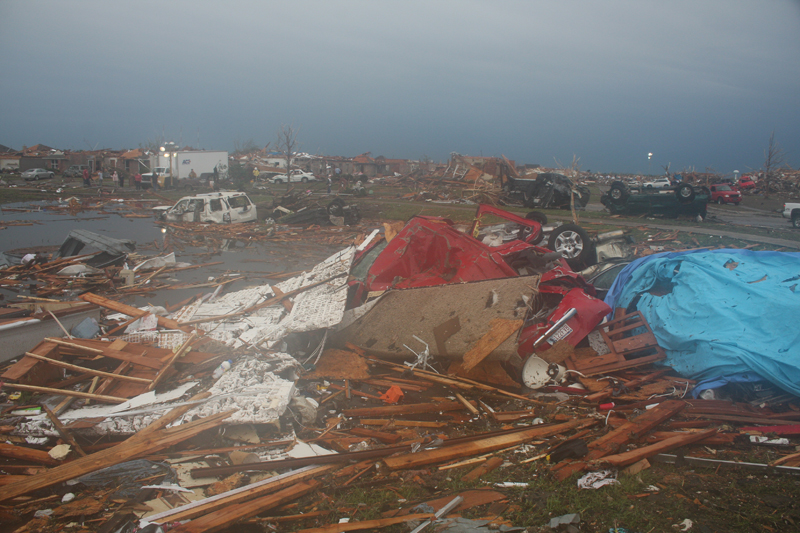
[(796, 220), (524, 231), (685, 193), (573, 243), (541, 218), (720, 201), (51, 175), (618, 192), (36, 177), (336, 207), (304, 179), (278, 181)]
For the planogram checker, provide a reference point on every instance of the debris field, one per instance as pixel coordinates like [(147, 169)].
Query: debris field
[(450, 367)]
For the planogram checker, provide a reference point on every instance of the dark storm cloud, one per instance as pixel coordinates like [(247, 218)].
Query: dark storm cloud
[(699, 83)]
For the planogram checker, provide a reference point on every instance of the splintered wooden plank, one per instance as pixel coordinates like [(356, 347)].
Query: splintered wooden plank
[(22, 453), (239, 495), (403, 409), (388, 438), (477, 447), (226, 516), (500, 330), (151, 439), (61, 392), (628, 458), (483, 469), (627, 432)]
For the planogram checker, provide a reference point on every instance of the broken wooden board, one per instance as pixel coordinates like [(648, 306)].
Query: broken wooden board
[(226, 516), (423, 312), (628, 458), (466, 449), (499, 330), (626, 433)]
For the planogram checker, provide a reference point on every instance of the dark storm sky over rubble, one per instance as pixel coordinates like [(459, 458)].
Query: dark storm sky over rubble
[(698, 83)]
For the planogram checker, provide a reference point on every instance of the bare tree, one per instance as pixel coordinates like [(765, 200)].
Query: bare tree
[(287, 145), (774, 157), (573, 172)]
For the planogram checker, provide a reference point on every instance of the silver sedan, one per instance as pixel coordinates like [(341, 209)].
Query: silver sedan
[(36, 174)]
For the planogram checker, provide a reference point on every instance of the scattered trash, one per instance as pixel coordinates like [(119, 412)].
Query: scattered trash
[(595, 480)]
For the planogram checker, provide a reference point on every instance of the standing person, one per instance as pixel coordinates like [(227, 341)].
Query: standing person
[(115, 178), (192, 175), (100, 176), (255, 172), (87, 179), (154, 180), (122, 181), (137, 180), (330, 183)]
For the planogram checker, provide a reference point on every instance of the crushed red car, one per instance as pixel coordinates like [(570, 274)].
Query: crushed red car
[(432, 251)]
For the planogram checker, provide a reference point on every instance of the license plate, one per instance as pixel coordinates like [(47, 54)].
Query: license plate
[(562, 333)]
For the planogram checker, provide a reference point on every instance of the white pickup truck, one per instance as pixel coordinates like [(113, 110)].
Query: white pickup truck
[(294, 176), (792, 212)]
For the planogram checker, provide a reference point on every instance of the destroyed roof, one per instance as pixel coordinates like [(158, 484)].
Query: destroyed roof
[(36, 149), (133, 154)]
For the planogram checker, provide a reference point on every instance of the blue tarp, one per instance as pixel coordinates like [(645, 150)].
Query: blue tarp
[(720, 312)]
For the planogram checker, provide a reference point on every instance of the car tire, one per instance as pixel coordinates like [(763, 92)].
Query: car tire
[(618, 192), (336, 207), (705, 190), (51, 175), (278, 181), (685, 193), (573, 243), (796, 220), (541, 218), (304, 179), (720, 201)]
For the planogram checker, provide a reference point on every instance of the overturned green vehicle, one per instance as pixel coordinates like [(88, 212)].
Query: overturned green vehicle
[(683, 199)]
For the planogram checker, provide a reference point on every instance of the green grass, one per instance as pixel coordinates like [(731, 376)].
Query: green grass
[(723, 501)]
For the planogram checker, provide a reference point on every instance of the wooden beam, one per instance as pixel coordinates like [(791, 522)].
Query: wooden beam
[(387, 438), (404, 409), (226, 516), (84, 370), (150, 439), (500, 330), (628, 458), (60, 392), (448, 453), (240, 495), (127, 309), (471, 408), (22, 453), (64, 432)]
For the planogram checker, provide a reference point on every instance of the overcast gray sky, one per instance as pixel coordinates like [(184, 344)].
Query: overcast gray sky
[(699, 83)]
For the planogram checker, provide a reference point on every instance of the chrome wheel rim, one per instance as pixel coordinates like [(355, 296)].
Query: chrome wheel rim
[(569, 244)]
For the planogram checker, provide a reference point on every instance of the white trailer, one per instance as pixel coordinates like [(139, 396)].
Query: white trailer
[(202, 162)]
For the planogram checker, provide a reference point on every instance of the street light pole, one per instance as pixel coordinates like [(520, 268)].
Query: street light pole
[(649, 155)]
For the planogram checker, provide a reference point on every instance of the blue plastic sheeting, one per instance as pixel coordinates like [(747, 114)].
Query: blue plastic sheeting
[(720, 312), (715, 383)]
